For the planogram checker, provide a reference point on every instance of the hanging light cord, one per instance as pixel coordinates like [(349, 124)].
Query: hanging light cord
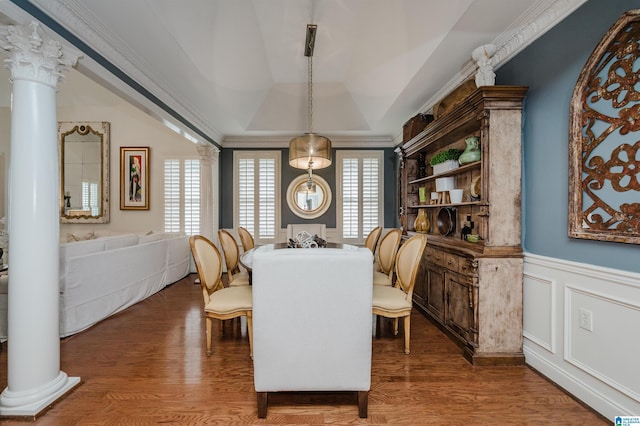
[(310, 94)]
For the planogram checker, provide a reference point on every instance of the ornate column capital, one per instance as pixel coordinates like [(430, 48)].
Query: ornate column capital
[(483, 56), (208, 153), (34, 56)]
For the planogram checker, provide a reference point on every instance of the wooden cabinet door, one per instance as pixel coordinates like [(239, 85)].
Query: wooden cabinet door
[(459, 314), (435, 290)]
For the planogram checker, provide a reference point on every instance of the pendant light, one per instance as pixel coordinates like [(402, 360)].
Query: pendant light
[(310, 151)]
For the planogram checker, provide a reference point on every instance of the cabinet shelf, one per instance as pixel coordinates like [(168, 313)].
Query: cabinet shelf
[(452, 243), (434, 206), (453, 172)]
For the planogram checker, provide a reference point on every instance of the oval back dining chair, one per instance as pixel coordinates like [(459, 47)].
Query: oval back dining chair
[(232, 258), (387, 250), (397, 302), (246, 239), (372, 239), (219, 302)]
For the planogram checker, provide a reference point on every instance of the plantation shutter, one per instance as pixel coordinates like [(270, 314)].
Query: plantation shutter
[(267, 198), (182, 196), (256, 193), (192, 197), (246, 201), (360, 189), (350, 187), (171, 195)]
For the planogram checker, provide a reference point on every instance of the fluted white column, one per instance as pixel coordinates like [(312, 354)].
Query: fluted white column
[(208, 190), (34, 376)]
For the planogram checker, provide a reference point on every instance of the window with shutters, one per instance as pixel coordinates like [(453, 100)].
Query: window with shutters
[(182, 196), (256, 196), (90, 197), (359, 193)]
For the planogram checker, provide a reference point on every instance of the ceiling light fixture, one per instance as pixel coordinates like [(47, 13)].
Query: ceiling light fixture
[(310, 151)]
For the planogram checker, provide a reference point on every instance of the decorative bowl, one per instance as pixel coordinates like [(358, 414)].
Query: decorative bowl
[(446, 222)]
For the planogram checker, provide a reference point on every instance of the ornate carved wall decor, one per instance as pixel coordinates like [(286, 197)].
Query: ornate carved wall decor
[(604, 145)]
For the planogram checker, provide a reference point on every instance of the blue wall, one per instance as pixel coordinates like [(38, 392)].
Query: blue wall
[(288, 173), (550, 67)]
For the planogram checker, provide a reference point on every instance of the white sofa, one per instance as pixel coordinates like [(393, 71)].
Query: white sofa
[(103, 276), (312, 321)]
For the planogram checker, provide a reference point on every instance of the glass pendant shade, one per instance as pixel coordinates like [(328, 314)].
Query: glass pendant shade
[(310, 150)]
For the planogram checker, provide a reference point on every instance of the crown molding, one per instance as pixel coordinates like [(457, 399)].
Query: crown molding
[(282, 141), (539, 18), (72, 15)]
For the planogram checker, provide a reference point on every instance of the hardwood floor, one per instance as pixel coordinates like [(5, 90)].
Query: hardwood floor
[(147, 365)]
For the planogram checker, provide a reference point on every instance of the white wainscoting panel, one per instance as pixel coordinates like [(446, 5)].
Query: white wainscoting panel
[(607, 313), (539, 312), (581, 331)]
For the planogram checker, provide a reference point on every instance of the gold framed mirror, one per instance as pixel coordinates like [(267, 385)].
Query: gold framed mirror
[(84, 171), (308, 202)]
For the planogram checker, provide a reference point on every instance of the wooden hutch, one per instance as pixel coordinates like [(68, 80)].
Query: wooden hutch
[(472, 290)]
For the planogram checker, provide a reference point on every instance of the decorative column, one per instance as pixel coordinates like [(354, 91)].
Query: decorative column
[(35, 381), (208, 190)]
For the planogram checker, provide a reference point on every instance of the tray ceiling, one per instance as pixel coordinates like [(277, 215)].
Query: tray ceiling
[(235, 70)]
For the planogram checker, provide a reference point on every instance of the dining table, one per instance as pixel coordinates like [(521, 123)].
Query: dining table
[(246, 259)]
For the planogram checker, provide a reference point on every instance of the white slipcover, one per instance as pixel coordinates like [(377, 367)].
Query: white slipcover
[(312, 319), (97, 282)]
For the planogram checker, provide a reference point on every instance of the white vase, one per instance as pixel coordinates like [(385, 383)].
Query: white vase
[(455, 195), (445, 184)]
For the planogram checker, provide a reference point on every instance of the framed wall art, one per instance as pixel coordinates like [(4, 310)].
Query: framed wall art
[(134, 178), (604, 184)]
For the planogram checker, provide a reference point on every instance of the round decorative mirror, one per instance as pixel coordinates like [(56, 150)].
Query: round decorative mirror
[(309, 201)]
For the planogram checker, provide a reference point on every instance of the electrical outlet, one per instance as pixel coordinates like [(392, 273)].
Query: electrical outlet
[(585, 319)]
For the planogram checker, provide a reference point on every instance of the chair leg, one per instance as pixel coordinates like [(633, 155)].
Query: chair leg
[(395, 326), (209, 322), (262, 404), (363, 402), (407, 333), (250, 328)]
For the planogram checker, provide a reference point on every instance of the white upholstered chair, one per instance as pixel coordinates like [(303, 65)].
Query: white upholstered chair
[(219, 302), (232, 259), (312, 321), (386, 258), (319, 229), (396, 302)]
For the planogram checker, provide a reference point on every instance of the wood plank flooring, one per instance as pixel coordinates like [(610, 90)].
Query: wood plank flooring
[(147, 365)]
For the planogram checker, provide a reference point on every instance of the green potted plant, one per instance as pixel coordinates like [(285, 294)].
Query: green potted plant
[(445, 160)]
